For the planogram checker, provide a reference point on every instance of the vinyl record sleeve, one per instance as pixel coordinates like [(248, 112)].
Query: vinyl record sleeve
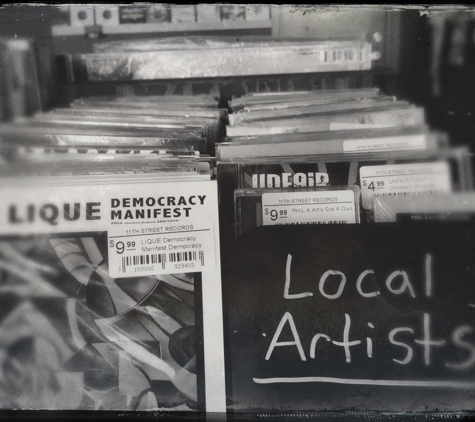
[(155, 111), (49, 134), (204, 101), (183, 13), (376, 118), (214, 117), (261, 98), (77, 337), (114, 165), (348, 142), (308, 108), (207, 126), (313, 101), (205, 43), (125, 121)]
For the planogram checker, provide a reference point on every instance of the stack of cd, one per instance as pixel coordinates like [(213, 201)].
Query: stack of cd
[(323, 156), (179, 124)]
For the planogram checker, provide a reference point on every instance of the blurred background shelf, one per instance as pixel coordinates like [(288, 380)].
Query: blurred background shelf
[(148, 28), (403, 37)]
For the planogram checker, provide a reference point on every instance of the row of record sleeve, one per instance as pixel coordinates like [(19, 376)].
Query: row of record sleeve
[(273, 143), (179, 124), (327, 157)]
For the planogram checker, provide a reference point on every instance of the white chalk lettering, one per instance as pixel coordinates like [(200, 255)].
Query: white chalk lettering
[(287, 283), (410, 351), (427, 342), (324, 277), (428, 275), (406, 284), (459, 385), (346, 343), (287, 317), (457, 339), (369, 347), (315, 339), (359, 281)]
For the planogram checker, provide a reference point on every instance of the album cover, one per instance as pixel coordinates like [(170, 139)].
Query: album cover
[(103, 287)]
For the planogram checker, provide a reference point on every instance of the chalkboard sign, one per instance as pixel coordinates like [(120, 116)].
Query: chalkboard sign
[(361, 318)]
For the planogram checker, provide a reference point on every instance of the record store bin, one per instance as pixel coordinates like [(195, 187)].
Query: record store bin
[(233, 211)]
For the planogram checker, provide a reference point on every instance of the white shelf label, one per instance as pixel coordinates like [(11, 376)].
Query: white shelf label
[(323, 207)]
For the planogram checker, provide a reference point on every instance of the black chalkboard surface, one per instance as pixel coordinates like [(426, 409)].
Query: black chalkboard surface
[(351, 318)]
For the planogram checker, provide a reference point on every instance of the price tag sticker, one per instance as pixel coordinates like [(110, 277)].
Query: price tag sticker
[(404, 179), (318, 207), (164, 248)]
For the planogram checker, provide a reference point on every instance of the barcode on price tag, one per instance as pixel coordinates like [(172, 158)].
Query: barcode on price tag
[(167, 248), (347, 55), (307, 207)]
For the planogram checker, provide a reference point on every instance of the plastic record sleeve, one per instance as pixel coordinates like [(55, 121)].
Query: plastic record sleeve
[(74, 337), (86, 164), (258, 98), (384, 117), (43, 134), (351, 142)]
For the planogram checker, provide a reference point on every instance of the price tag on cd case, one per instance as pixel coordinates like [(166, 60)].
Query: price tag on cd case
[(404, 179), (323, 207), (163, 248)]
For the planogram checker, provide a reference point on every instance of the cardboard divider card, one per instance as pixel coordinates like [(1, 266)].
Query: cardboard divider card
[(404, 179), (164, 248), (374, 318)]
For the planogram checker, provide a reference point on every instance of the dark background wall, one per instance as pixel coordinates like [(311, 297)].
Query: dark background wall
[(28, 21), (453, 110)]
